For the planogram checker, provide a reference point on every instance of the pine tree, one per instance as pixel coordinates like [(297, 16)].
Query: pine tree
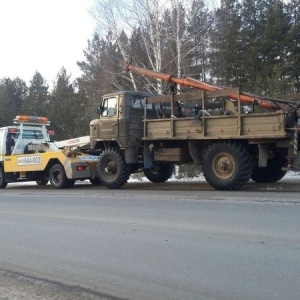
[(274, 51), (294, 47), (253, 15), (199, 29), (101, 71), (36, 102), (13, 93), (67, 109), (227, 54)]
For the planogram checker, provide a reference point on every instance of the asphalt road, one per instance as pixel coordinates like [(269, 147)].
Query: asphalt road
[(146, 241)]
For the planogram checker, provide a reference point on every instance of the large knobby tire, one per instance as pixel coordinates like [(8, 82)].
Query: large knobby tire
[(58, 177), (159, 172), (3, 183), (271, 173), (112, 169), (226, 165)]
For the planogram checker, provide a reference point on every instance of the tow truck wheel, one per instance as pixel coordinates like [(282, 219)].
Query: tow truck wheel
[(226, 165), (58, 178), (112, 169), (3, 183), (42, 181), (271, 173), (159, 172)]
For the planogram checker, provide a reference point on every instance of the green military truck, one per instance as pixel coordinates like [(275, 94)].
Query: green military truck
[(231, 141), (117, 135)]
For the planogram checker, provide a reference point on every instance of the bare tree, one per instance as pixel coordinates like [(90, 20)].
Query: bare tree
[(164, 44), (110, 18), (117, 15)]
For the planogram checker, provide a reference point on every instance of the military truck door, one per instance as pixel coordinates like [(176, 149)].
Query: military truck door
[(109, 121)]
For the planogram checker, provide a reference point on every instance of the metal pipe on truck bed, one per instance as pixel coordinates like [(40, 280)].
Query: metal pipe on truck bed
[(190, 82)]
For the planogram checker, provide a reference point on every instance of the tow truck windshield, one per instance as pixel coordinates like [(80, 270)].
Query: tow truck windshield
[(30, 134)]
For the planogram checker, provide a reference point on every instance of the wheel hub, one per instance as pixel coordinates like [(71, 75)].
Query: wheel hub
[(57, 176), (110, 168), (223, 165)]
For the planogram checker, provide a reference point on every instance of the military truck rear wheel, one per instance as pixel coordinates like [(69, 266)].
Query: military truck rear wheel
[(226, 165), (58, 177), (112, 169), (271, 173), (159, 172), (3, 183)]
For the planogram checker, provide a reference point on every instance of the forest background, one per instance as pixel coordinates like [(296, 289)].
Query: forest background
[(254, 45)]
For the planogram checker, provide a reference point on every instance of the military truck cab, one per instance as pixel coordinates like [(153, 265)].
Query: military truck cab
[(117, 135), (120, 122)]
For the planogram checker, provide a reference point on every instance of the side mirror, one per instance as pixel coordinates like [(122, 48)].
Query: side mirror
[(100, 109)]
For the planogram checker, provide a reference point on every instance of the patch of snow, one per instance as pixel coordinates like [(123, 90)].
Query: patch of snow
[(291, 175)]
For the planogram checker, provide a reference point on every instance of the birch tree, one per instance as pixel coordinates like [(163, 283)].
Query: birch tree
[(162, 28), (111, 17)]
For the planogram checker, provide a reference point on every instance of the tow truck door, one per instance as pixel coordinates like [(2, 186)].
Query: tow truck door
[(108, 125)]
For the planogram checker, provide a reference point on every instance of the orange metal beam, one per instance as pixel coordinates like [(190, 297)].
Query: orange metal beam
[(190, 82)]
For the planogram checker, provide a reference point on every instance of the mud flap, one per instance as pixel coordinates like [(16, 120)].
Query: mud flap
[(263, 155), (148, 157)]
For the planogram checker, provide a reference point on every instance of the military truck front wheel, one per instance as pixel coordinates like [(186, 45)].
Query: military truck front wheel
[(112, 169), (226, 165), (159, 172), (3, 183), (57, 176)]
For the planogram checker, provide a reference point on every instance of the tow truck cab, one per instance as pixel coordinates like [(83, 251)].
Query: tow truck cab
[(23, 135)]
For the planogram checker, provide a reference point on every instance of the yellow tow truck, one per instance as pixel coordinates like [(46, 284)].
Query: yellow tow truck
[(27, 154)]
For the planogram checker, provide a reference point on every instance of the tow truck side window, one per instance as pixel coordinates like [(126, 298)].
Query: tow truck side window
[(110, 107)]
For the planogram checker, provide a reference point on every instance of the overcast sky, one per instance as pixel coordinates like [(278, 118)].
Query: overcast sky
[(43, 36)]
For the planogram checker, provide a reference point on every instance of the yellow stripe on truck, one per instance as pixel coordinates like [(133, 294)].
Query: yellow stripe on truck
[(39, 161), (31, 162)]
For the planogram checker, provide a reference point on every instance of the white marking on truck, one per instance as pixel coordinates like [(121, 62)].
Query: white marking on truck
[(88, 157), (29, 160)]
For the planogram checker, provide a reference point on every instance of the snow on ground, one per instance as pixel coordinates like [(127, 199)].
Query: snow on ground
[(291, 175)]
